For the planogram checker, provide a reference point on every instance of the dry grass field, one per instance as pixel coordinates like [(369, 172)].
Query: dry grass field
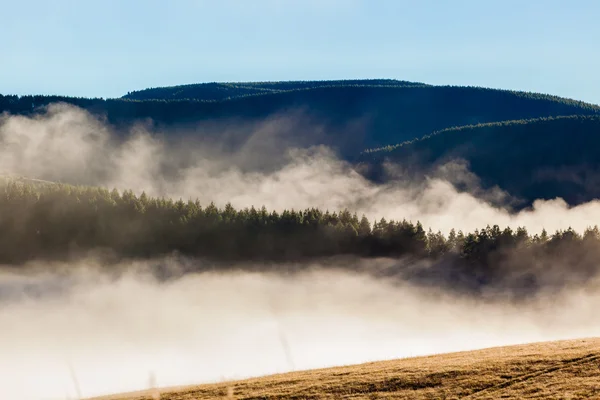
[(551, 370)]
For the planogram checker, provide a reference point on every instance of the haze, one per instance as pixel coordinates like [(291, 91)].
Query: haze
[(67, 144), (113, 331)]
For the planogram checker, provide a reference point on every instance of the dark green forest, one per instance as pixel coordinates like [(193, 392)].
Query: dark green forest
[(228, 90), (351, 118), (531, 159), (52, 222)]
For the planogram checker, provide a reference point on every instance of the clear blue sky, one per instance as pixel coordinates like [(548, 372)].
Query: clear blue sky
[(105, 48)]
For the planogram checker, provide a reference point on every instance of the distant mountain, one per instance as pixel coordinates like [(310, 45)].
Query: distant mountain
[(540, 158), (214, 91), (350, 117)]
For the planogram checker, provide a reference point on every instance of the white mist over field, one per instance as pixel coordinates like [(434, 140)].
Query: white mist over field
[(77, 326), (113, 333)]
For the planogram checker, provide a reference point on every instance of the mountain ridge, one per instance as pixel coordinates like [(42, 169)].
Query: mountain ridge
[(222, 89), (353, 118)]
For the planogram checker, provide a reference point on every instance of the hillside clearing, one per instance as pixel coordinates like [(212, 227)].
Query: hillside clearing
[(567, 369)]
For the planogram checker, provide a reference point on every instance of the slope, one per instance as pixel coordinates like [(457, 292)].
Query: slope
[(213, 91), (531, 159), (348, 118), (563, 369)]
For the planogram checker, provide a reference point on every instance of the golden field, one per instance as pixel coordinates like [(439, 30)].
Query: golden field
[(551, 370)]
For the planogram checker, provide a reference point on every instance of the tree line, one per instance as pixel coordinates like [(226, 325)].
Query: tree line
[(227, 90), (54, 221)]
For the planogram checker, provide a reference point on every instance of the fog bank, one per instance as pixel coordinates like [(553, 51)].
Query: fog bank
[(116, 331), (69, 145)]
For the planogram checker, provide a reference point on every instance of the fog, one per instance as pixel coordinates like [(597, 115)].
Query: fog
[(69, 145), (113, 332), (69, 328)]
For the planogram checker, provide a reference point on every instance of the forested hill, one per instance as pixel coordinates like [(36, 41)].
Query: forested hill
[(540, 158), (351, 118), (227, 90)]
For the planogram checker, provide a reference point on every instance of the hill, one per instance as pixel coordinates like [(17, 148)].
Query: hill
[(350, 118), (563, 369), (531, 159), (227, 90)]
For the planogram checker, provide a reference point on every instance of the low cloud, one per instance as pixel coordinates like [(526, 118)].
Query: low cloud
[(271, 167), (114, 332)]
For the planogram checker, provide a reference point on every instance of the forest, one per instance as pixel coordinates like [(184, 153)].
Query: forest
[(350, 118), (224, 91), (531, 146), (541, 158), (58, 222)]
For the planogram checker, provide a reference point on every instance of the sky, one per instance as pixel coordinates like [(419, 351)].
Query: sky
[(105, 48)]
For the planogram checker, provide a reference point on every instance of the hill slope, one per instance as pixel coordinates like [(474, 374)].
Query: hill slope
[(349, 118), (531, 159), (564, 369), (227, 90)]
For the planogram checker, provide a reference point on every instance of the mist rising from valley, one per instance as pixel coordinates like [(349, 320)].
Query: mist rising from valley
[(107, 326)]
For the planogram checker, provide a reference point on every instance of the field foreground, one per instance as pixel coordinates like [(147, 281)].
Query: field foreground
[(551, 370)]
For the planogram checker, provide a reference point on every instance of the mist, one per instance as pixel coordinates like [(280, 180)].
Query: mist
[(114, 332), (93, 328), (270, 167)]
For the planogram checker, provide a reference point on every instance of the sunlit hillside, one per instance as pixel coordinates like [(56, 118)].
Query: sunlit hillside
[(551, 370)]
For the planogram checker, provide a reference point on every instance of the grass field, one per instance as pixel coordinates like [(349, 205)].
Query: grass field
[(551, 370)]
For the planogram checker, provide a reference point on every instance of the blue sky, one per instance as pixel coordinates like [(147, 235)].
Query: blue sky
[(105, 48)]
